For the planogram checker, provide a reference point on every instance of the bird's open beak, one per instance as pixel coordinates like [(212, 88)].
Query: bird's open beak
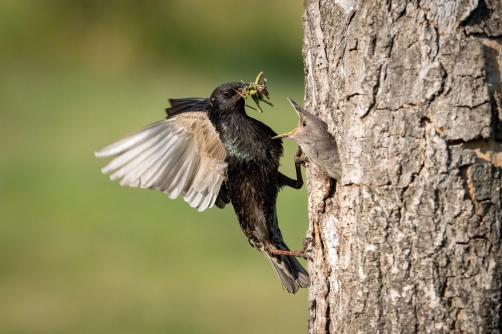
[(284, 135), (297, 108)]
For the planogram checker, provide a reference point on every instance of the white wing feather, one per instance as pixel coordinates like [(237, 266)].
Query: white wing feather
[(181, 155)]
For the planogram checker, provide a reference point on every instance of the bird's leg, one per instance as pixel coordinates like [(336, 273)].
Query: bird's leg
[(302, 252), (287, 181)]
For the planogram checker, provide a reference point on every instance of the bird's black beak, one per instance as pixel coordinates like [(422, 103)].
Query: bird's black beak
[(258, 92), (243, 90)]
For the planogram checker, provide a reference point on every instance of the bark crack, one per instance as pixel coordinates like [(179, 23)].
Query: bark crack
[(465, 182), (375, 89), (455, 324)]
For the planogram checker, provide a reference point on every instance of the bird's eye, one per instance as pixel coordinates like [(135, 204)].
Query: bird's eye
[(226, 94), (304, 123)]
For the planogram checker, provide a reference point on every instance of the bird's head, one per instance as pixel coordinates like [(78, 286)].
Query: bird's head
[(309, 129), (228, 98)]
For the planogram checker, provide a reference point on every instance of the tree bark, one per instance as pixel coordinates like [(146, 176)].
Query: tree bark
[(409, 241)]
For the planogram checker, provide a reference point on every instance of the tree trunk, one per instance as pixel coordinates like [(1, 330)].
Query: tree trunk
[(409, 242)]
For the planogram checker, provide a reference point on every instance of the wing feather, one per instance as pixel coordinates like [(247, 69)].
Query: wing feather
[(125, 163), (153, 177), (131, 140), (136, 171), (181, 155)]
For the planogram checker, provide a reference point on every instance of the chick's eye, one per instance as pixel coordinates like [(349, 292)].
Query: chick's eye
[(304, 123)]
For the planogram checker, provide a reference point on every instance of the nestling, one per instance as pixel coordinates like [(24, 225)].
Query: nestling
[(319, 146)]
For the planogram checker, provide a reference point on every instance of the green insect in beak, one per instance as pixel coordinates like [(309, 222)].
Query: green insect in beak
[(257, 91)]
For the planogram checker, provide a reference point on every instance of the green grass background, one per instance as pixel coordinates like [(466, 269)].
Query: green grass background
[(80, 254)]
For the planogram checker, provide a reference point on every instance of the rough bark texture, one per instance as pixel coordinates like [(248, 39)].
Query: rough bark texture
[(410, 240)]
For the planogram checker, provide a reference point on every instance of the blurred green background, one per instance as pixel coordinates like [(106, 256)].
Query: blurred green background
[(80, 254)]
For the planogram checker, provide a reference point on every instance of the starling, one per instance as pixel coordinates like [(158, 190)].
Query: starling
[(210, 151), (312, 136)]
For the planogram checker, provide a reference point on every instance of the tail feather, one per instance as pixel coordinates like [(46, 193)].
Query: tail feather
[(291, 273)]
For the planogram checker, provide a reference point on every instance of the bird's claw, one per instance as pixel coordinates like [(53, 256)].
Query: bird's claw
[(298, 159), (306, 256), (301, 161), (299, 253), (304, 249)]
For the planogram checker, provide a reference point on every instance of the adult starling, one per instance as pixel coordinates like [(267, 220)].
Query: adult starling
[(210, 151), (319, 146)]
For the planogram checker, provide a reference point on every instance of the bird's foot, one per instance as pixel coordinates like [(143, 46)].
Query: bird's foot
[(302, 252), (298, 159), (305, 247), (301, 161)]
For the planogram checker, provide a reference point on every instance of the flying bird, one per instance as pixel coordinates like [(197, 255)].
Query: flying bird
[(210, 152), (312, 136)]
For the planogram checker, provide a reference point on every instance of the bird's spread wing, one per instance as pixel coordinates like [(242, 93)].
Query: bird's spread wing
[(180, 155)]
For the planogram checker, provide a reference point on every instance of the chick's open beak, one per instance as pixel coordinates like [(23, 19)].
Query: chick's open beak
[(296, 106), (282, 136), (287, 134)]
